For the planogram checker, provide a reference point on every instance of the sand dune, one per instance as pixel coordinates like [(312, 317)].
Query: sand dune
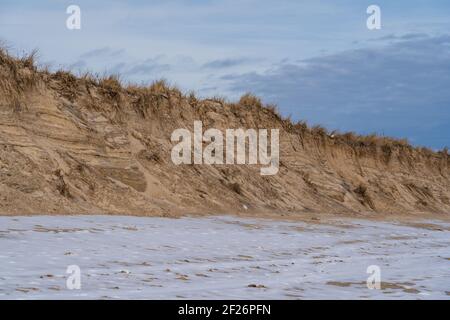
[(73, 145)]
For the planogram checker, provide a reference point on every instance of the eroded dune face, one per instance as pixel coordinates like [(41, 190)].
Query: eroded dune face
[(83, 145)]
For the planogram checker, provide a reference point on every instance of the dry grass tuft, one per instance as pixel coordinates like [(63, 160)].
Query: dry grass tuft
[(142, 99), (319, 131), (28, 60), (249, 100), (218, 99), (192, 99), (66, 84), (18, 76), (301, 127), (111, 88), (160, 87), (111, 85)]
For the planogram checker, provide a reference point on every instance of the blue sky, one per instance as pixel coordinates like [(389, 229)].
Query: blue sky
[(316, 59)]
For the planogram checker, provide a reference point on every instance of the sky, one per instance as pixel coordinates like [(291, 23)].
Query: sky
[(315, 59)]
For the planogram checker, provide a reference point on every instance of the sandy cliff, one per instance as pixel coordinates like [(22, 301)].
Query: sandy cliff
[(82, 145)]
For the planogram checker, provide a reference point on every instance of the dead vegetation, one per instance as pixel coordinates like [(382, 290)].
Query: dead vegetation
[(17, 77), (249, 100), (67, 84)]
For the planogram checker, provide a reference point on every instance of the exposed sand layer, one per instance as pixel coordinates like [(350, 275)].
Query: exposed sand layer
[(221, 258), (84, 146)]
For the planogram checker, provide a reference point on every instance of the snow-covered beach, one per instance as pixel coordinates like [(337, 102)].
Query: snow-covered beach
[(221, 258)]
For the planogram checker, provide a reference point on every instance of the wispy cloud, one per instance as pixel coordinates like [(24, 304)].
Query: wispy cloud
[(102, 53), (147, 66), (226, 63)]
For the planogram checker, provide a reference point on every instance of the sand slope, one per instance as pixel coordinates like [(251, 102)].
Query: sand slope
[(80, 145)]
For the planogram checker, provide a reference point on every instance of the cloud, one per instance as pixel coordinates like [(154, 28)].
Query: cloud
[(400, 89), (102, 53), (78, 65), (225, 63), (407, 36), (116, 61), (146, 67)]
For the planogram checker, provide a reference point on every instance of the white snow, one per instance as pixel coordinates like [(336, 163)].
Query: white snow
[(219, 257)]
